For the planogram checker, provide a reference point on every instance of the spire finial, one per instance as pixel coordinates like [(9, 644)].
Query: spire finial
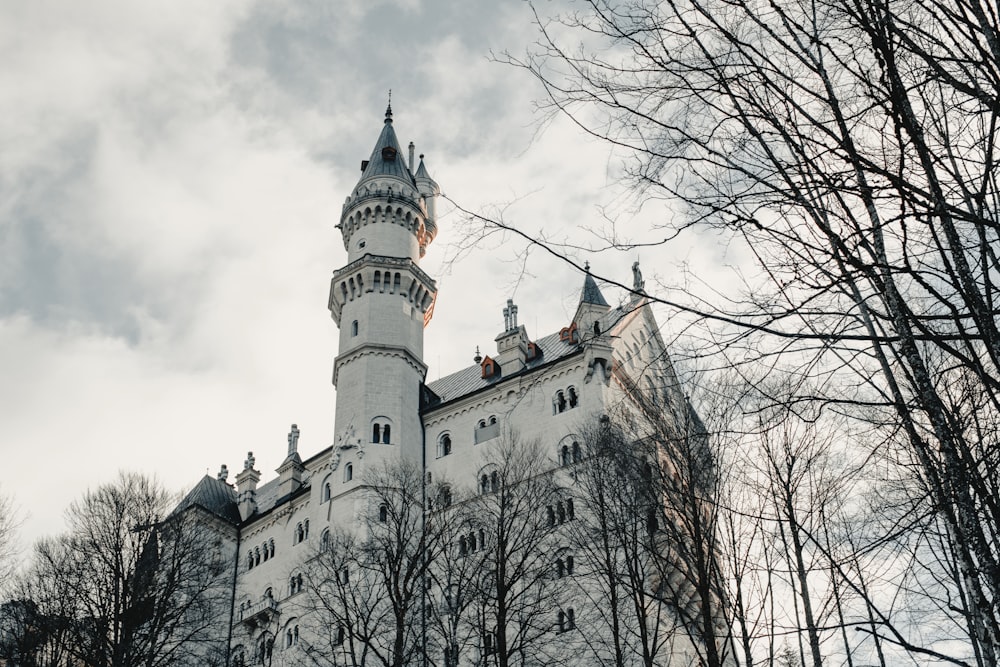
[(478, 358), (388, 108), (586, 266), (293, 439)]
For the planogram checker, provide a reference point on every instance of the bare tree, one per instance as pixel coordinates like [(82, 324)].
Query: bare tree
[(617, 554), (522, 512), (851, 145), (9, 524), (368, 584), (129, 584)]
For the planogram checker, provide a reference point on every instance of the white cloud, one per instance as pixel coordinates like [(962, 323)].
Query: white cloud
[(170, 182)]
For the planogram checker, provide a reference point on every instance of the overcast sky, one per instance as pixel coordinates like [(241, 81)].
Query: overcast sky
[(170, 177)]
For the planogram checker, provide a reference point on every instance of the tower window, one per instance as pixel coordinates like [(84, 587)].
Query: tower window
[(383, 513), (348, 472), (354, 328), (326, 491), (381, 431)]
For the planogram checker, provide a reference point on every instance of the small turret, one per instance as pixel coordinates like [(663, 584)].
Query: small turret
[(429, 190), (593, 307)]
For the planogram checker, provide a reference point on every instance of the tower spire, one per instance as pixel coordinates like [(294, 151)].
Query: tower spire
[(388, 108)]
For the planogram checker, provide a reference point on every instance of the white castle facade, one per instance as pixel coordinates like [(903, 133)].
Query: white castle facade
[(539, 390)]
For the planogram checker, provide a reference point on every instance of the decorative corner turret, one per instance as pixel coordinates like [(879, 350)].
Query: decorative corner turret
[(589, 317), (246, 487)]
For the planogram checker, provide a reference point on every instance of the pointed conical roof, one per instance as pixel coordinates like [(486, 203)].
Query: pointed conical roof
[(423, 175), (592, 293), (213, 495), (387, 159)]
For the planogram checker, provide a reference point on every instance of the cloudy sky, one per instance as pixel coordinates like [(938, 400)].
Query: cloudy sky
[(170, 176)]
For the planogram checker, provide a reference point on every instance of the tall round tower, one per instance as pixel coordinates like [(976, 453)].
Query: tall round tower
[(381, 301)]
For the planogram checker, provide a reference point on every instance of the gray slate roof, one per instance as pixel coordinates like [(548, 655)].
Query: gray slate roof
[(214, 496), (591, 292), (378, 166), (469, 380)]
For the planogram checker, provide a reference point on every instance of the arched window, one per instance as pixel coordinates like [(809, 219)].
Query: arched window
[(569, 565), (354, 328), (341, 635), (463, 546), (561, 512), (494, 481), (305, 532), (484, 483), (300, 533), (560, 568), (444, 496), (324, 540), (267, 552), (265, 647), (250, 560), (569, 509), (559, 404), (376, 432), (472, 542), (564, 455), (444, 445), (270, 546), (326, 491), (551, 515), (256, 556), (348, 472), (385, 435), (570, 619), (561, 621), (577, 452), (493, 420), (383, 513), (573, 398), (430, 478)]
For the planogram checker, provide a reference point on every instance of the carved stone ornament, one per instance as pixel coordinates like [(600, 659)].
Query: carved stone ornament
[(347, 439)]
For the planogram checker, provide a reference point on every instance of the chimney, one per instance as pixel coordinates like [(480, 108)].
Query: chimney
[(246, 487)]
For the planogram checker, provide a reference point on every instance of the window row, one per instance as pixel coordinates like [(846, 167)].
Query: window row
[(381, 433), (566, 620), (301, 532), (291, 636), (295, 584), (571, 453), (260, 554), (564, 566), (471, 543), (560, 513), (565, 399), (489, 482)]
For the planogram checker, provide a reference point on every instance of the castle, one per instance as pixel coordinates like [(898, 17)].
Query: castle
[(452, 431)]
